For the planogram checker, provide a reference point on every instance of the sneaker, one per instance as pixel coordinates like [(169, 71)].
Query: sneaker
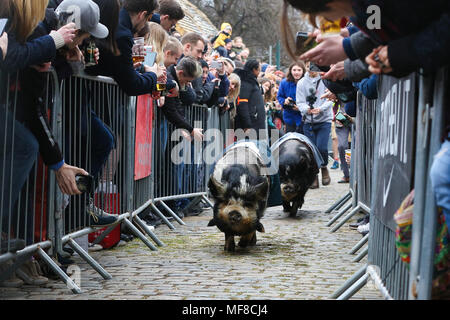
[(363, 229), (335, 165), (28, 274), (94, 247), (121, 243), (99, 218)]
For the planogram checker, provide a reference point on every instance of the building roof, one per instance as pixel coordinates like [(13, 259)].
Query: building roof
[(195, 21)]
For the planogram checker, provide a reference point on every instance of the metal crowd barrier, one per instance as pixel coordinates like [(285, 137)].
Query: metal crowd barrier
[(27, 223), (125, 143), (408, 119)]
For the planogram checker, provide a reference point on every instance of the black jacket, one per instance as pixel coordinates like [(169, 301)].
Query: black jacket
[(120, 68), (174, 108), (250, 104)]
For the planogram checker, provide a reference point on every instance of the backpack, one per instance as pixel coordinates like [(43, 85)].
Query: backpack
[(403, 234)]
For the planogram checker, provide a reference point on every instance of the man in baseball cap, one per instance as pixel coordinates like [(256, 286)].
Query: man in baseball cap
[(85, 14)]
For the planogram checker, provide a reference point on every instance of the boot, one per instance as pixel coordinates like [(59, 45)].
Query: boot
[(325, 176), (315, 184), (13, 281), (28, 273)]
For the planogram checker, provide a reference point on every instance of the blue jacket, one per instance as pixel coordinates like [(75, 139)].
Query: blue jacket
[(289, 89), (368, 87), (120, 68), (34, 52)]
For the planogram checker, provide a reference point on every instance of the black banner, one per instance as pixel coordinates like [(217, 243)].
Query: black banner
[(394, 146)]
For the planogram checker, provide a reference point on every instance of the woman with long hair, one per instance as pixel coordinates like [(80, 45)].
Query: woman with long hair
[(287, 97), (157, 37)]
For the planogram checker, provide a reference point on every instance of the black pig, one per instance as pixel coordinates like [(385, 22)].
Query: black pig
[(298, 169), (240, 193)]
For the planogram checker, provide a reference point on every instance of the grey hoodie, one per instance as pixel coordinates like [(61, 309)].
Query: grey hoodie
[(305, 86)]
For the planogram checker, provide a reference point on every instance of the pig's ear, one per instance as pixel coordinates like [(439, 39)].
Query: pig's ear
[(260, 227), (212, 223), (217, 189), (261, 190)]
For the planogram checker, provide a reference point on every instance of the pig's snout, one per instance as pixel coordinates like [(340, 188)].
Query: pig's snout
[(235, 216), (288, 189)]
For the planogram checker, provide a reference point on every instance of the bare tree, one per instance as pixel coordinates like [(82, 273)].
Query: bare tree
[(256, 21)]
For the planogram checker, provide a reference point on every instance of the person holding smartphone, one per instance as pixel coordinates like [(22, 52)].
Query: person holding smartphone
[(286, 96)]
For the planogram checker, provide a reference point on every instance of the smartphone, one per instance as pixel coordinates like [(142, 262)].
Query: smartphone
[(343, 119), (303, 43), (216, 65), (150, 58), (3, 23), (315, 68), (84, 183)]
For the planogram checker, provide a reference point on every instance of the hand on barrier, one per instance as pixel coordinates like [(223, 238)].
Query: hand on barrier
[(4, 44), (68, 32), (336, 72), (197, 133), (65, 177), (174, 92), (44, 67), (186, 135), (329, 51), (378, 60)]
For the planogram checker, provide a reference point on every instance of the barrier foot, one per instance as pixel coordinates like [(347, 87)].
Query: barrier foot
[(144, 227), (162, 216), (173, 214), (361, 272), (354, 288), (64, 277), (346, 218), (94, 264), (140, 235), (208, 202), (338, 215), (361, 255), (338, 204), (359, 244)]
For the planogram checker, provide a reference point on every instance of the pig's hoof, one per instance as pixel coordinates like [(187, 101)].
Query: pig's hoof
[(286, 207), (293, 212)]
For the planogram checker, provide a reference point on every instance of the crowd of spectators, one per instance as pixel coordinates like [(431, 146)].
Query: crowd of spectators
[(219, 71)]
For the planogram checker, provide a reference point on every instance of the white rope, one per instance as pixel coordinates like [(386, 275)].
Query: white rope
[(372, 271)]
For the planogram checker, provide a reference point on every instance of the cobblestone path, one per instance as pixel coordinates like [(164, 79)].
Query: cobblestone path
[(297, 258)]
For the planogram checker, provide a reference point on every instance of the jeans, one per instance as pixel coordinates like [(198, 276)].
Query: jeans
[(319, 134), (440, 179), (342, 135), (16, 162)]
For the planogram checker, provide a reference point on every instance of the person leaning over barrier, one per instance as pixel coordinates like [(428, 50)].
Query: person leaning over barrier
[(183, 73), (133, 17), (193, 46), (397, 46), (20, 53)]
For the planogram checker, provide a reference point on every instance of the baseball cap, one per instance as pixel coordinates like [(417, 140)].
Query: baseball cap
[(86, 15)]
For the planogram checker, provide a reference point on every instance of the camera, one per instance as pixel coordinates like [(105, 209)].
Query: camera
[(216, 65), (291, 105), (84, 183), (311, 98)]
